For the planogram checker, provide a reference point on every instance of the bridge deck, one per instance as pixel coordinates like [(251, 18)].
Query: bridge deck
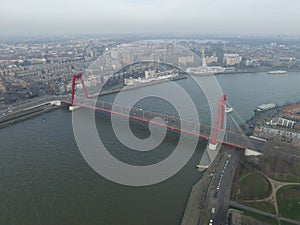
[(233, 139)]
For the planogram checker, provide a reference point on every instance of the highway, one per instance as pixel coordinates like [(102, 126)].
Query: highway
[(232, 139), (223, 175), (32, 103)]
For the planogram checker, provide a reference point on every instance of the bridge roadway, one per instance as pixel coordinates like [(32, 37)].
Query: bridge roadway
[(231, 138)]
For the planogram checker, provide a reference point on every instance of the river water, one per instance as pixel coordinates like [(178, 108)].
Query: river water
[(45, 180)]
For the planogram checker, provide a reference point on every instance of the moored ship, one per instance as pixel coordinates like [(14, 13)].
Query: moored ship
[(265, 107), (277, 72)]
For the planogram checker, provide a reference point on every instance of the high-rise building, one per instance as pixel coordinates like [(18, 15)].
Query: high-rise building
[(203, 57), (211, 60), (127, 58), (186, 60), (114, 54), (232, 59)]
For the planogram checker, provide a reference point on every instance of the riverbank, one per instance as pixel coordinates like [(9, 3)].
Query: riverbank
[(198, 196), (127, 88), (26, 114), (262, 70)]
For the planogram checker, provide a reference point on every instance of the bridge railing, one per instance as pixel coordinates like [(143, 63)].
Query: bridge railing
[(203, 131)]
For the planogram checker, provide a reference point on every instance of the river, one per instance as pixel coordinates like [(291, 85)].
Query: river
[(45, 180)]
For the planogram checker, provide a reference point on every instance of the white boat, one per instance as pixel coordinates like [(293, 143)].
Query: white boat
[(202, 166), (277, 72)]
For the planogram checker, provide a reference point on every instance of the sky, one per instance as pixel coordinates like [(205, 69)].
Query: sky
[(244, 17)]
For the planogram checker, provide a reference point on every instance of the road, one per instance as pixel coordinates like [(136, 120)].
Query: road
[(238, 205), (232, 139), (227, 173), (32, 103)]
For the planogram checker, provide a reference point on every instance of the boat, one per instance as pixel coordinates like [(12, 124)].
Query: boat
[(277, 72), (265, 107), (202, 166)]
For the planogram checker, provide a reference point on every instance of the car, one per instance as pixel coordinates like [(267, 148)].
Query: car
[(216, 194)]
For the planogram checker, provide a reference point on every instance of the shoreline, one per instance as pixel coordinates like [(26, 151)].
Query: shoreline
[(26, 114), (127, 88), (199, 193)]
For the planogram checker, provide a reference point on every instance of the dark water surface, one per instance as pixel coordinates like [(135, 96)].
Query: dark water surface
[(45, 180)]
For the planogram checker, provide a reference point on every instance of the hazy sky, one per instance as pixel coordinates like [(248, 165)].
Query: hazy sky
[(120, 16)]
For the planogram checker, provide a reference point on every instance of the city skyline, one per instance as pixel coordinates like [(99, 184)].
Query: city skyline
[(159, 16)]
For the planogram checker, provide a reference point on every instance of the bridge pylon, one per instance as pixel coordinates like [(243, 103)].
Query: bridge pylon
[(219, 123), (74, 78)]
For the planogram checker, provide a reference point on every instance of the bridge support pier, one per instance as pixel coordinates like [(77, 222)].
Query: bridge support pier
[(73, 108), (212, 146)]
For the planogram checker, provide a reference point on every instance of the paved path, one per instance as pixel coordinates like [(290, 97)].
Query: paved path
[(275, 186), (241, 206)]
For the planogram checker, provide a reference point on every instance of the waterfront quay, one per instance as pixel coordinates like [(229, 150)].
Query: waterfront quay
[(209, 197), (282, 124), (27, 113)]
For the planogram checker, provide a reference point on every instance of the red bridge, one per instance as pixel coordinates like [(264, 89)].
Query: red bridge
[(233, 139)]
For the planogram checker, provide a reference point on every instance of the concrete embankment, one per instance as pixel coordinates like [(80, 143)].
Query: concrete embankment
[(193, 214), (127, 88), (25, 114)]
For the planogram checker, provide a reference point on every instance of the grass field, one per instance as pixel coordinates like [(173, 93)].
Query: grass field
[(253, 186), (286, 223), (288, 199), (262, 218), (264, 206)]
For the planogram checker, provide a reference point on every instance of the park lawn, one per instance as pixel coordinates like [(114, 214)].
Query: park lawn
[(286, 223), (264, 206), (254, 186), (262, 218), (288, 199)]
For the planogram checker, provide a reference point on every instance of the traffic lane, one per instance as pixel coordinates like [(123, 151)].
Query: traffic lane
[(225, 187)]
